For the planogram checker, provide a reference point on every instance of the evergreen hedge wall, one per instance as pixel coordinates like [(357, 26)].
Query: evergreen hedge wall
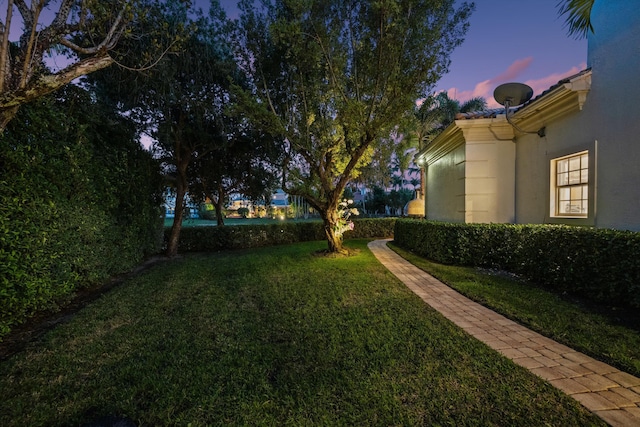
[(79, 202), (207, 239), (600, 264)]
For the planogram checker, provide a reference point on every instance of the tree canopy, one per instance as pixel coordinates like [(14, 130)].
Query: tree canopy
[(334, 79), (83, 35), (182, 103)]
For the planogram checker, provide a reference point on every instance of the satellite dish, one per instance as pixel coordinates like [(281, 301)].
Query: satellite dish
[(513, 94)]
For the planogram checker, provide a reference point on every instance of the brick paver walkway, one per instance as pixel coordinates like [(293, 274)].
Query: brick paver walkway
[(611, 394)]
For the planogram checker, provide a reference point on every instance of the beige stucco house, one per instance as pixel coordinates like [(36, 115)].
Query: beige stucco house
[(585, 170)]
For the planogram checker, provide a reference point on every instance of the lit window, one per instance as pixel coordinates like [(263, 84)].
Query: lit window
[(570, 186)]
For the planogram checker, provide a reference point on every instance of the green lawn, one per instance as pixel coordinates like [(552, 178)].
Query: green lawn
[(603, 336), (272, 336)]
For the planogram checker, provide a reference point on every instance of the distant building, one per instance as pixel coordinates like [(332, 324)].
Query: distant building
[(170, 205), (280, 199)]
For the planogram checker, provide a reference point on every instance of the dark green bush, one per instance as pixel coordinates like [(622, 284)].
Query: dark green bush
[(600, 264), (79, 202), (208, 211), (366, 228), (205, 239)]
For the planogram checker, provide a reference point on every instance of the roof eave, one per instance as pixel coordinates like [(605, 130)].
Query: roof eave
[(567, 96)]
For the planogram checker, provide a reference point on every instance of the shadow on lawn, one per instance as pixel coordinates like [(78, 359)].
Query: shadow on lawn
[(36, 326)]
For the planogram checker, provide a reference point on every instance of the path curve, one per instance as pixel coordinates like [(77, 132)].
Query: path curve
[(611, 394)]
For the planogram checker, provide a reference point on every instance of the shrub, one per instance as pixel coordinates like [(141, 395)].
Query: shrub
[(207, 239), (208, 211), (79, 202), (600, 264)]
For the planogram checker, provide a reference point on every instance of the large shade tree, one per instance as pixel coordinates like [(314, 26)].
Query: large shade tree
[(243, 161), (181, 101), (335, 78), (83, 36), (192, 93)]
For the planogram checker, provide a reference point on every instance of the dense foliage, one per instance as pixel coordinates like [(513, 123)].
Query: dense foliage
[(212, 239), (85, 36), (335, 80), (182, 103), (599, 264), (79, 201)]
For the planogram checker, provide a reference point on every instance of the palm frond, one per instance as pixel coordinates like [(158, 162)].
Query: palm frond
[(578, 16)]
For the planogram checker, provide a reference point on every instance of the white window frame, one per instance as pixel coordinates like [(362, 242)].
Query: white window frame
[(569, 195)]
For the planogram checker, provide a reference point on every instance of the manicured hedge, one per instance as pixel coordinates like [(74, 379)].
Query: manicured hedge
[(79, 202), (600, 264), (206, 239)]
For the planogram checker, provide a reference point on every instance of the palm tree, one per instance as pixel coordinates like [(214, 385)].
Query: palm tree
[(578, 16), (415, 182), (433, 116), (438, 111)]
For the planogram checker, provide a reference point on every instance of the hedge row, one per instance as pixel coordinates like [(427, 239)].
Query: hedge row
[(213, 239), (79, 202), (600, 264)]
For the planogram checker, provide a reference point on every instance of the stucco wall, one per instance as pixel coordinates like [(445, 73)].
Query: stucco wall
[(565, 136), (607, 126), (490, 171), (445, 187), (614, 55), (471, 173)]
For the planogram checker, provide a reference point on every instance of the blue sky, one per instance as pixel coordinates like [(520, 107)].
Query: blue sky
[(508, 40)]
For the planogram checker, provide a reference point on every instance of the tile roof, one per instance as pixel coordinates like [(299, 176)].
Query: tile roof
[(485, 114), (560, 83)]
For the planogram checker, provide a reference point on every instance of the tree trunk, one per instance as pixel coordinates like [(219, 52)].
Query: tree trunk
[(219, 217), (182, 187), (174, 236), (6, 116), (334, 241)]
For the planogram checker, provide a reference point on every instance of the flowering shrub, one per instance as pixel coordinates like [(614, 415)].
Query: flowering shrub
[(344, 213)]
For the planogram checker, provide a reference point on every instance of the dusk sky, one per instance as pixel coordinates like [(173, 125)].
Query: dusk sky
[(508, 40), (513, 40)]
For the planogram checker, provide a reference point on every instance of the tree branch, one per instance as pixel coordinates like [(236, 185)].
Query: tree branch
[(27, 16), (329, 64), (62, 15), (355, 158), (4, 47), (31, 51), (148, 67), (109, 40), (59, 26), (50, 83)]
